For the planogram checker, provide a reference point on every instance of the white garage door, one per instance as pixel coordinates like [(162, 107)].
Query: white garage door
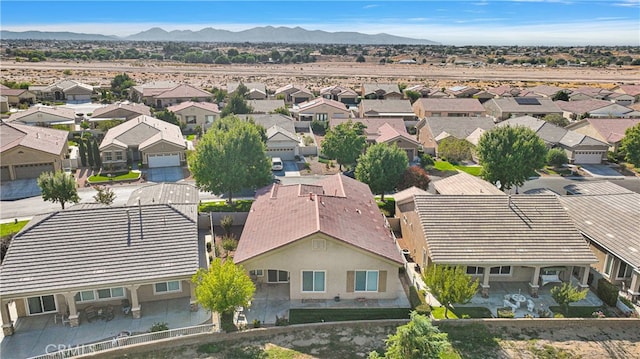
[(164, 160), (287, 154), (33, 170), (588, 157)]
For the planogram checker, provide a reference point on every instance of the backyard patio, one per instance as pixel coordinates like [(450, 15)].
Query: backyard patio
[(39, 334), (501, 291)]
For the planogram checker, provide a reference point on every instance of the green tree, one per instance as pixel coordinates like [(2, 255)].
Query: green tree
[(413, 96), (556, 157), (344, 143), (381, 167), (222, 288), (58, 187), (510, 155), (418, 339), (282, 111), (414, 176), (82, 149), (96, 154), (106, 125), (454, 149), (237, 103), (450, 285), (104, 195), (556, 119), (230, 157), (360, 58), (567, 293), (121, 84), (631, 145), (167, 116), (561, 95), (218, 94), (89, 147)]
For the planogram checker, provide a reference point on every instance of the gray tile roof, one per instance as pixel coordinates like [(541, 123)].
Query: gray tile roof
[(464, 183), (265, 106), (386, 106), (500, 230), (143, 131), (510, 105), (458, 127), (101, 246), (165, 193), (552, 134), (268, 121), (612, 221), (595, 187)]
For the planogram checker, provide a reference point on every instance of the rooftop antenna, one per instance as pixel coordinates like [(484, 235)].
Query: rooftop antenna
[(140, 215)]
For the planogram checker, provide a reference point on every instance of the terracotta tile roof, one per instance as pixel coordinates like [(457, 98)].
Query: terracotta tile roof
[(47, 140), (338, 91), (373, 125), (337, 206), (184, 91), (612, 129), (504, 91), (547, 90), (500, 230), (451, 105), (633, 90), (385, 88), (207, 106), (583, 106), (386, 107), (387, 133)]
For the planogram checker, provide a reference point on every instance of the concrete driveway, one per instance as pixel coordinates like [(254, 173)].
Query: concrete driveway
[(165, 174), (602, 171), (290, 170), (19, 189)]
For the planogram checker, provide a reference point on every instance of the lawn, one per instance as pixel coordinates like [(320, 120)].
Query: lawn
[(10, 228), (300, 316), (461, 312), (123, 177), (191, 137), (241, 205), (446, 166)]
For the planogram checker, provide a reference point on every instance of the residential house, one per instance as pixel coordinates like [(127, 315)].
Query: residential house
[(320, 109), (77, 260), (497, 238), (256, 90), (391, 131), (631, 90), (28, 151), (179, 94), (580, 149), (448, 107), (265, 106), (144, 93), (4, 104), (609, 130), (463, 183), (387, 108), (381, 91), (546, 91), (431, 130), (461, 91), (607, 217), (145, 139), (282, 140), (44, 116), (589, 93), (14, 97), (294, 94), (573, 110), (340, 94), (324, 241), (120, 111), (66, 90), (504, 91), (423, 90), (503, 108), (196, 114), (621, 99)]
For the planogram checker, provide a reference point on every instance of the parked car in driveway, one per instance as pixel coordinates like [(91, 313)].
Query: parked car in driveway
[(276, 164)]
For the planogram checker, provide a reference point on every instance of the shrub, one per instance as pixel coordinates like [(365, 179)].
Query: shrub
[(556, 157), (208, 247), (256, 323), (558, 315), (607, 292), (307, 166), (226, 223), (416, 298), (281, 321), (229, 243), (505, 313), (319, 127), (388, 207), (426, 161), (209, 348), (159, 327), (308, 141)]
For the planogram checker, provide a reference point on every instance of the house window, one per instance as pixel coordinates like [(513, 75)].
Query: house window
[(318, 244), (608, 264), (624, 271), (42, 304), (471, 270), (256, 272), (277, 276), (108, 156), (118, 155), (167, 287), (209, 118), (501, 270), (366, 281), (313, 281), (322, 116), (99, 294), (190, 119)]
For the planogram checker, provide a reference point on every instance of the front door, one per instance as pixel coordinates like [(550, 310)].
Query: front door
[(42, 304)]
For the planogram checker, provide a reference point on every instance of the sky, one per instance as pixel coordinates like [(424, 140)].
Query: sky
[(453, 22)]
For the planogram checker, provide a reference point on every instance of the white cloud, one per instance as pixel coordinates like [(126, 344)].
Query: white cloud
[(627, 3), (370, 6)]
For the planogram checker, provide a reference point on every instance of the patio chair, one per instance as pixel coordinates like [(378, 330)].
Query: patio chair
[(530, 305), (510, 304)]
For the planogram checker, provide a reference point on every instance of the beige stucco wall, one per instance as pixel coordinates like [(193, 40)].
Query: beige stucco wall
[(412, 233), (31, 156), (145, 292), (163, 147), (336, 260), (200, 116), (329, 110)]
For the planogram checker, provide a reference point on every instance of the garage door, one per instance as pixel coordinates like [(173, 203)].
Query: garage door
[(588, 157), (286, 154), (32, 171), (5, 173), (164, 160)]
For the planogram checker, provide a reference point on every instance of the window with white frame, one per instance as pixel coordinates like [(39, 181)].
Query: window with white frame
[(256, 272), (471, 270), (366, 281), (167, 287), (322, 116), (624, 271), (190, 119), (99, 294), (502, 270), (209, 118), (119, 156), (108, 156), (608, 264), (313, 281)]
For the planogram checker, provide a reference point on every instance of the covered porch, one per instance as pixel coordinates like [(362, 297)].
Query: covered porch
[(35, 335)]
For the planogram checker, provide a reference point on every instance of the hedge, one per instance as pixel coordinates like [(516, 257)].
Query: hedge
[(607, 292)]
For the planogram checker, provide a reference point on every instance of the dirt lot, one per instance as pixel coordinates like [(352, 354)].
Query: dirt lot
[(314, 75), (469, 341)]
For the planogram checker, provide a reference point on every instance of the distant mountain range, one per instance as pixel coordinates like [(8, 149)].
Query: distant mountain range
[(296, 35)]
